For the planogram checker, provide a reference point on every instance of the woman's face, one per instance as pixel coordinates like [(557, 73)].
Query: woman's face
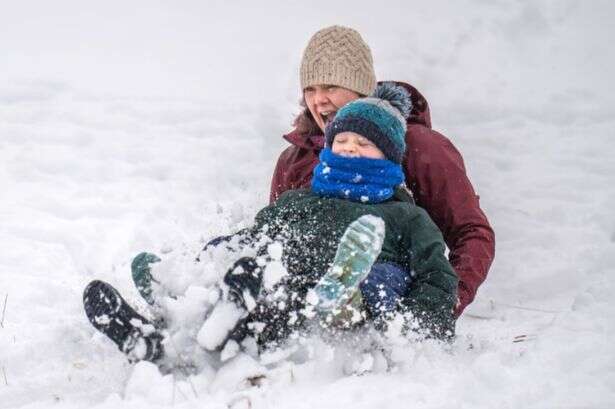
[(323, 101), (353, 145)]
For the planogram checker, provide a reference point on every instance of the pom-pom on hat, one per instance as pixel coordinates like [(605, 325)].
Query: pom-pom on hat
[(381, 118)]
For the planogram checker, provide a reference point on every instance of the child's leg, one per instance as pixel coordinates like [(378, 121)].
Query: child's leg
[(384, 287), (110, 314), (244, 280), (228, 319)]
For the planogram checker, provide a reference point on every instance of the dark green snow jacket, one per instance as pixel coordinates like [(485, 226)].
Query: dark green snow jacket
[(310, 227)]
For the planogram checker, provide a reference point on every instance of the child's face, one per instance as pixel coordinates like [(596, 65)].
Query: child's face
[(353, 145)]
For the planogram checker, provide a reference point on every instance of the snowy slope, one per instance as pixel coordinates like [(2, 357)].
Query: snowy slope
[(155, 127)]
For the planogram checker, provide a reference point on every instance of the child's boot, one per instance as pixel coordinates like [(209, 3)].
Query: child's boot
[(110, 314)]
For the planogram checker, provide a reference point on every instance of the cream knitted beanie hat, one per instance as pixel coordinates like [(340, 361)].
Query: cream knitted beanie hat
[(338, 55)]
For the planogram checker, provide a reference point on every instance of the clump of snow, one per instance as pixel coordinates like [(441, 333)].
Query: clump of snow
[(311, 298), (219, 323), (230, 350), (236, 372), (146, 383), (273, 273), (275, 251)]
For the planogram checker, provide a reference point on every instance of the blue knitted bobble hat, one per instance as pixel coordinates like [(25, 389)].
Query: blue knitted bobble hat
[(381, 118)]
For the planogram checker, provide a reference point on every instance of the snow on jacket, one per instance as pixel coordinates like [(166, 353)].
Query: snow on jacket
[(310, 227), (436, 175)]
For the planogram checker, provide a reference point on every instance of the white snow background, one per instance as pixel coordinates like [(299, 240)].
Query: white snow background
[(152, 125)]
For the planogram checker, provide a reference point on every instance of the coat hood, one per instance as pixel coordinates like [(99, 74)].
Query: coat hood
[(420, 115)]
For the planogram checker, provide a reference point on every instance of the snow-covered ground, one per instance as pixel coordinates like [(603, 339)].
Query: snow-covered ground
[(130, 126)]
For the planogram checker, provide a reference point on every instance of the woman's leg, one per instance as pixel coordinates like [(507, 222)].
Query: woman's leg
[(142, 275), (110, 314)]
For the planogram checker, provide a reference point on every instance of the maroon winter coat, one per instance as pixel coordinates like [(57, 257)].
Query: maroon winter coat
[(435, 174)]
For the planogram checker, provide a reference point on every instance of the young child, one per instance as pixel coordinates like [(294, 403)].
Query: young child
[(347, 244)]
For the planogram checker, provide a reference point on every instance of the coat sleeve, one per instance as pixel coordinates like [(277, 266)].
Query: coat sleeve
[(277, 215), (279, 180), (441, 186), (433, 289)]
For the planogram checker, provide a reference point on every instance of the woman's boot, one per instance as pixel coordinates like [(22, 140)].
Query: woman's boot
[(110, 314)]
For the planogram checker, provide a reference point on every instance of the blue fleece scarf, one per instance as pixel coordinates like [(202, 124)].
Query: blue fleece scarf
[(358, 179)]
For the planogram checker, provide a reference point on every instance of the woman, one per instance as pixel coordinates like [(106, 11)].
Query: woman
[(337, 68)]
